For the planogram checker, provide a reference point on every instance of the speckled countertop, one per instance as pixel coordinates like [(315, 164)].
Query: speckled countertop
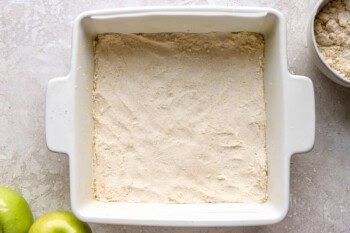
[(35, 39)]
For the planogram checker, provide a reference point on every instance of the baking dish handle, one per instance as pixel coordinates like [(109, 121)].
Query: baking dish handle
[(300, 114), (58, 115)]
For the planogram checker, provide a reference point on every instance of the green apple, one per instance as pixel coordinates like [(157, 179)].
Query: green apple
[(15, 214), (59, 222)]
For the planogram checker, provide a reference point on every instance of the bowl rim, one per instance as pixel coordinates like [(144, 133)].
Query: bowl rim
[(318, 7)]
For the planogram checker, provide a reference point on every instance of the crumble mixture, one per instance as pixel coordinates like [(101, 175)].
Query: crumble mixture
[(332, 31), (179, 118)]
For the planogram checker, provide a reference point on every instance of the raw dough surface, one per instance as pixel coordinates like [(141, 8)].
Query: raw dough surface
[(179, 118)]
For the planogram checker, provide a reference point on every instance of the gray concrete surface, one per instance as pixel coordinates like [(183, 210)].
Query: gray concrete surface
[(35, 41)]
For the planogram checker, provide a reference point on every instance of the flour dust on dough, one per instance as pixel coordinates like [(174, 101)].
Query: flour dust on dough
[(179, 118)]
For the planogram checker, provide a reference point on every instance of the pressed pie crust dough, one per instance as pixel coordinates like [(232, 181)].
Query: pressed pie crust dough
[(179, 118)]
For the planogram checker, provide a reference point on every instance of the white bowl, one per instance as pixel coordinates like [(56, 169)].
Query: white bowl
[(315, 53), (289, 104)]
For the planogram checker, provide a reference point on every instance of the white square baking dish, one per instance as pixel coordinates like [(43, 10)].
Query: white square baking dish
[(289, 104)]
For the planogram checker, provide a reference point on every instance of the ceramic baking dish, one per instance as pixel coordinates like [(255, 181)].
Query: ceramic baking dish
[(289, 105)]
